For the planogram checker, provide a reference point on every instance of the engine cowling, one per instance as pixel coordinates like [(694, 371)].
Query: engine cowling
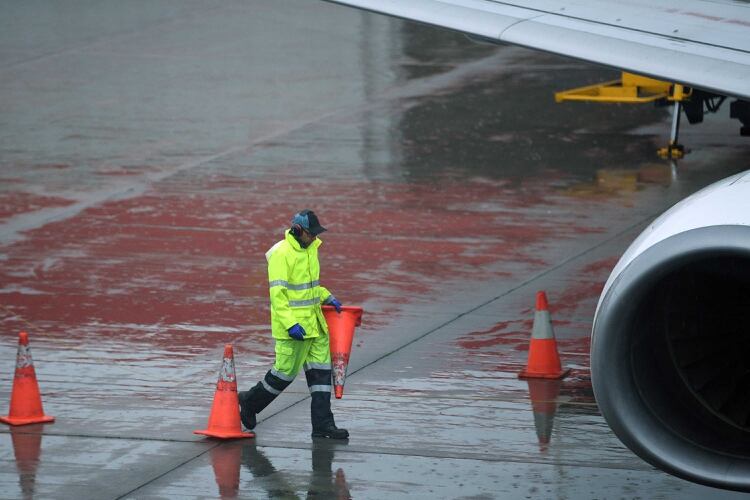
[(670, 350)]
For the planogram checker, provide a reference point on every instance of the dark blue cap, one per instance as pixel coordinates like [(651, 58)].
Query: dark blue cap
[(308, 221)]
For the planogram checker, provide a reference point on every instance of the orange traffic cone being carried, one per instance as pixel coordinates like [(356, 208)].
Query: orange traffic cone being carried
[(341, 330), (544, 362), (224, 421), (25, 401)]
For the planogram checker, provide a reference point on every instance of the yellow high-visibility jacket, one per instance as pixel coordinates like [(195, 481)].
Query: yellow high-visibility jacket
[(294, 284)]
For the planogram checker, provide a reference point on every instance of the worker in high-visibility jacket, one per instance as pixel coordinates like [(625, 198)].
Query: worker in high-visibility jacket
[(298, 327)]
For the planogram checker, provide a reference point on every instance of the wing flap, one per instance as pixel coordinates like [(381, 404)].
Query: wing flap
[(680, 63)]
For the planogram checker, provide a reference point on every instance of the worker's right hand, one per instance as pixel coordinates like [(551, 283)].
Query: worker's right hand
[(297, 332)]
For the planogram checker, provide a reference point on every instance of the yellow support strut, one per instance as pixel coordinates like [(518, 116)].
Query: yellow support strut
[(629, 88), (636, 89)]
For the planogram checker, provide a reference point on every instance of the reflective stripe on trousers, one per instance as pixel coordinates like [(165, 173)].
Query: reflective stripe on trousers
[(275, 382), (318, 379)]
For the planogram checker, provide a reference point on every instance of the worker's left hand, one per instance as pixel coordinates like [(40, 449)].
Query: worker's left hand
[(335, 303), (297, 332)]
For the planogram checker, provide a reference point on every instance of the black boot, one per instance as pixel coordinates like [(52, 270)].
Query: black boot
[(247, 408), (256, 399), (322, 417), (331, 432)]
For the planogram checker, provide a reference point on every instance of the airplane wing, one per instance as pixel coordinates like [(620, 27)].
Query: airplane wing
[(698, 43)]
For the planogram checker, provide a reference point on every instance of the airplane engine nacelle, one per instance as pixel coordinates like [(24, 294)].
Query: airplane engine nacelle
[(670, 350)]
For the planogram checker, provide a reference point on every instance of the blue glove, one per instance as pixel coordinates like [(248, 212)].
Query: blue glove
[(335, 303), (297, 332)]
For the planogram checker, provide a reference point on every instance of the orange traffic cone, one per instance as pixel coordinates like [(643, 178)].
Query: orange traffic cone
[(25, 401), (543, 395), (226, 459), (341, 329), (224, 421), (544, 361)]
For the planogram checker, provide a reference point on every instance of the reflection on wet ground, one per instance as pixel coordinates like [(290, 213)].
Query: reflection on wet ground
[(150, 157), (27, 449)]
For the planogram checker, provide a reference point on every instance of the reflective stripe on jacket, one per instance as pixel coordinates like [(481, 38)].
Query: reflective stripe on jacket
[(294, 287)]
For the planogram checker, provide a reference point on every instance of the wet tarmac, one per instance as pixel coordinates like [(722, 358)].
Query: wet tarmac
[(151, 153)]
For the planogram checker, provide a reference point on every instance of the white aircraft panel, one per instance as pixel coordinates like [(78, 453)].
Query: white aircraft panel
[(643, 38), (726, 202), (720, 23), (673, 63)]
